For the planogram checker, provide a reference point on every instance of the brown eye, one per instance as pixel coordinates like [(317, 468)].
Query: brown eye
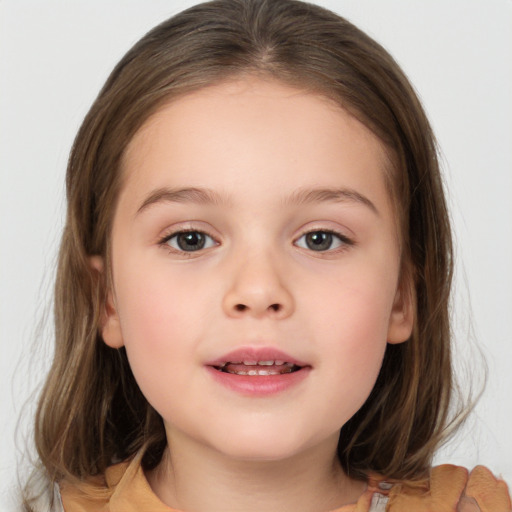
[(190, 241), (320, 241)]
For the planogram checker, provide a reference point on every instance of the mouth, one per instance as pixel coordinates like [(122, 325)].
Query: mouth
[(254, 368), (258, 371)]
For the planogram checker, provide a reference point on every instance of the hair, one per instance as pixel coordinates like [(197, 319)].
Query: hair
[(91, 412)]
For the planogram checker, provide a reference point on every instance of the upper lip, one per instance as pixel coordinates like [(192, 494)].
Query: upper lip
[(255, 354)]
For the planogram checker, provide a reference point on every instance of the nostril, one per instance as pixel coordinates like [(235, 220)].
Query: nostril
[(243, 307)]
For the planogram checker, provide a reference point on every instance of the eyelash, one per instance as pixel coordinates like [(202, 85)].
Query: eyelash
[(344, 241), (164, 242)]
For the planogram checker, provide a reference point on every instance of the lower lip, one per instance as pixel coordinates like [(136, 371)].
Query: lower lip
[(259, 385)]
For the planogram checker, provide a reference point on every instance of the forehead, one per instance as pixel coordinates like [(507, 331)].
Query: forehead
[(254, 132)]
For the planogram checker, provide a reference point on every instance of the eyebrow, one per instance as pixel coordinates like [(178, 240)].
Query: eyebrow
[(299, 197), (338, 195), (182, 195)]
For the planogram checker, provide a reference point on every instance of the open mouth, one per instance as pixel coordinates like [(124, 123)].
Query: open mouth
[(258, 371), (257, 368)]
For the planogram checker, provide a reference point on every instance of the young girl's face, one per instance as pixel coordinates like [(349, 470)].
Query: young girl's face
[(254, 225)]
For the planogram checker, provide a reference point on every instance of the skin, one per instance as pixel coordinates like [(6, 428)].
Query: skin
[(255, 144)]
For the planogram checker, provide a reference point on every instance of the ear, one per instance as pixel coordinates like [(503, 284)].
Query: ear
[(402, 317), (110, 326)]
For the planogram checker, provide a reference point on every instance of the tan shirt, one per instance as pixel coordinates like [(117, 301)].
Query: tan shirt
[(450, 489)]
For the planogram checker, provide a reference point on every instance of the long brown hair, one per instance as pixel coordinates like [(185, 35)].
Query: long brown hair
[(91, 412)]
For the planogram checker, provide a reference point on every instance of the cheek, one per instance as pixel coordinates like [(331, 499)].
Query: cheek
[(155, 304), (158, 316), (351, 328), (356, 310)]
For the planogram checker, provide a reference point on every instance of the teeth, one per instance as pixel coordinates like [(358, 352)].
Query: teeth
[(259, 363), (264, 363), (258, 372), (285, 367)]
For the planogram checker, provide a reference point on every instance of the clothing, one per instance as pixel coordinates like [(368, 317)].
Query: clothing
[(451, 489)]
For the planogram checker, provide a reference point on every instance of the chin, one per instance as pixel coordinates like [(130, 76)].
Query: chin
[(263, 446)]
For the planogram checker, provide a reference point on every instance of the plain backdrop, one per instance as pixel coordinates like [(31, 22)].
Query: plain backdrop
[(54, 57)]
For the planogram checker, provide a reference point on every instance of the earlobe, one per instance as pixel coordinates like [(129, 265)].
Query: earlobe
[(109, 325), (111, 328), (401, 321)]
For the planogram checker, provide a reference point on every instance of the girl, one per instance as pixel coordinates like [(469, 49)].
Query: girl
[(252, 294)]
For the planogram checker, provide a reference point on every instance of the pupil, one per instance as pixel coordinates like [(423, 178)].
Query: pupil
[(192, 241), (319, 240)]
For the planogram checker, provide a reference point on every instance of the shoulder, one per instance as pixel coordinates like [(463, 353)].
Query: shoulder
[(450, 489), (123, 488), (94, 493)]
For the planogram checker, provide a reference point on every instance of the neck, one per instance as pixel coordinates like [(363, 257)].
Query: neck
[(200, 479)]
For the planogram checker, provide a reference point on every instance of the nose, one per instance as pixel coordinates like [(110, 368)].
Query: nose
[(256, 289)]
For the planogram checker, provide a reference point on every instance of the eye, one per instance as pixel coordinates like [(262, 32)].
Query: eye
[(189, 241), (322, 241)]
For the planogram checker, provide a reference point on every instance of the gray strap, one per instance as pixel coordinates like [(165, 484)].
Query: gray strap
[(379, 502), (57, 500)]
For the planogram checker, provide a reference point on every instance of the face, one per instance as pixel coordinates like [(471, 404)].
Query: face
[(255, 262)]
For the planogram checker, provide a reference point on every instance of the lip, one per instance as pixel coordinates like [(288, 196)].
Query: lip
[(257, 385), (256, 354)]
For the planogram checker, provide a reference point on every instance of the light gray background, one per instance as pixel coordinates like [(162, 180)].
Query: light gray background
[(55, 55)]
